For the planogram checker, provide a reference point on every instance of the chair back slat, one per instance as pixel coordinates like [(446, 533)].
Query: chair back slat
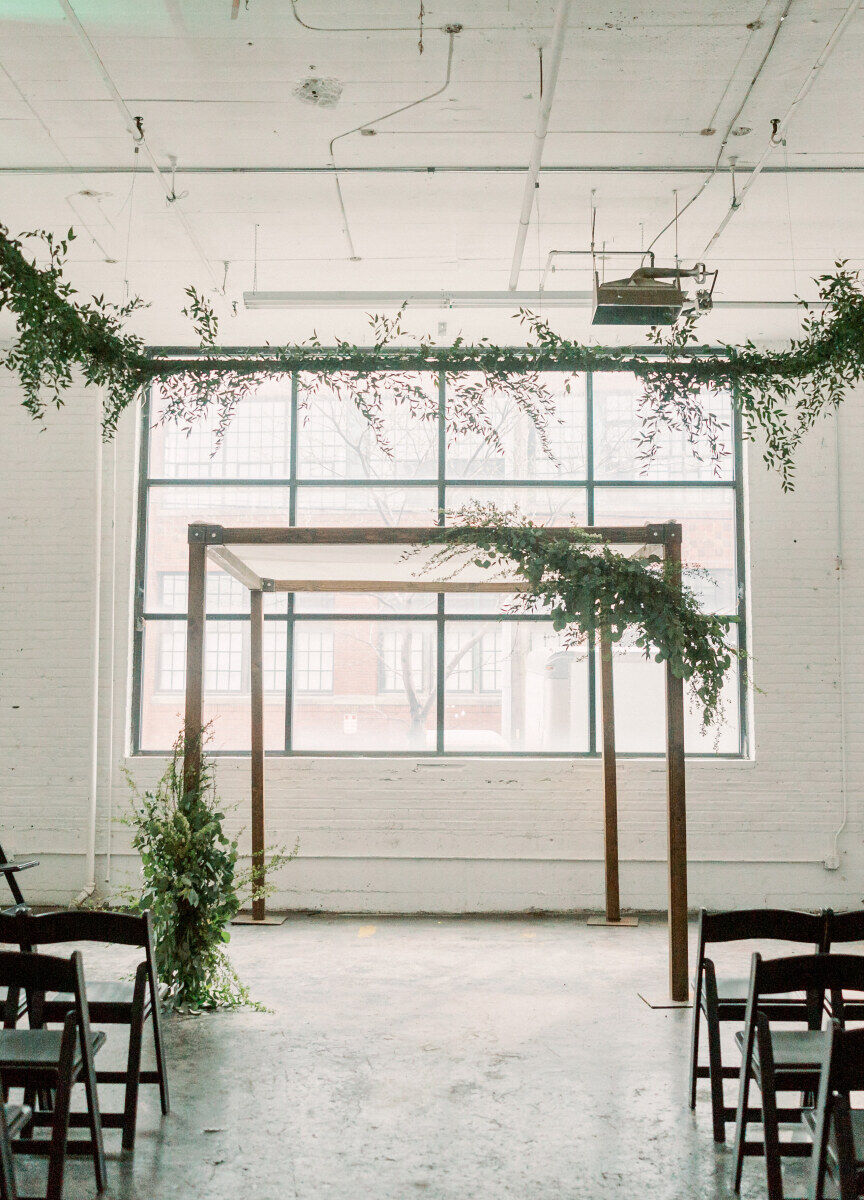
[(38, 972), (808, 973), (845, 926), (780, 924), (46, 929)]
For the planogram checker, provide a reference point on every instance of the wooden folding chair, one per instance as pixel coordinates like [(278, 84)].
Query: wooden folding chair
[(13, 1118), (111, 1003), (720, 999), (785, 1060), (10, 869), (840, 1155), (48, 1062), (843, 928)]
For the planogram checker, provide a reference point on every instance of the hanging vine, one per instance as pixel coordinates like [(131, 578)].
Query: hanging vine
[(585, 584), (779, 393)]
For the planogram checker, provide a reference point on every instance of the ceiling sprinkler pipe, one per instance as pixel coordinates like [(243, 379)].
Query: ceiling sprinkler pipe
[(552, 64)]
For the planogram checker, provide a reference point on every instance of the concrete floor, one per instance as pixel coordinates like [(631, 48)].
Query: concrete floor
[(446, 1059)]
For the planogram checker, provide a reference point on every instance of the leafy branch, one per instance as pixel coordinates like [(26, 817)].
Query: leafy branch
[(585, 585)]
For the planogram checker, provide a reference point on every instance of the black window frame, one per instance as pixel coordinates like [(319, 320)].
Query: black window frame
[(294, 482)]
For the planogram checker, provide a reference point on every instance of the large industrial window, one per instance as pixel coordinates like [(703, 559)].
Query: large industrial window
[(416, 673)]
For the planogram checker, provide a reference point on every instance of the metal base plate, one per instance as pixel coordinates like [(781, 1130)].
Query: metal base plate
[(657, 1000), (248, 919), (629, 922)]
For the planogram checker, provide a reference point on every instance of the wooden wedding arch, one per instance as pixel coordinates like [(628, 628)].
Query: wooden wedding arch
[(374, 560)]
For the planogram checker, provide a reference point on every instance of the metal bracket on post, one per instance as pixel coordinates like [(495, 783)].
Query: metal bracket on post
[(211, 535)]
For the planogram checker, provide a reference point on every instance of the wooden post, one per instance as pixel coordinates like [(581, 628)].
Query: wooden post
[(195, 621), (610, 782), (259, 907), (679, 983)]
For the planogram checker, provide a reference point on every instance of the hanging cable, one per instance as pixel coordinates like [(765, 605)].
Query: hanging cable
[(135, 128), (451, 31), (129, 230), (732, 123), (778, 130)]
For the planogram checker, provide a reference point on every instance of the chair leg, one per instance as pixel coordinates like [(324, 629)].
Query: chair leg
[(741, 1121), (161, 1065), (59, 1134), (94, 1120), (8, 1190), (133, 1063), (715, 1067), (771, 1136), (694, 1041)]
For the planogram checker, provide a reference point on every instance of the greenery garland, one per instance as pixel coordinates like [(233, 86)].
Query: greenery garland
[(779, 393), (585, 585), (191, 885)]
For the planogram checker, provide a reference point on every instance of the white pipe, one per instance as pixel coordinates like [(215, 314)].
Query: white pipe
[(778, 133), (92, 807), (549, 83), (833, 861), (112, 619), (138, 138)]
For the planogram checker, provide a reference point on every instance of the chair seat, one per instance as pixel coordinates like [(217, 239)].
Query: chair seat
[(798, 1049), (17, 1116), (21, 1049)]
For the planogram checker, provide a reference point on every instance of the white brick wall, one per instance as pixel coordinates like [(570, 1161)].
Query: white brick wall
[(415, 835)]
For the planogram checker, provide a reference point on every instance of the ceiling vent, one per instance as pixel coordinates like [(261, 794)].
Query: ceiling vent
[(650, 296), (324, 93)]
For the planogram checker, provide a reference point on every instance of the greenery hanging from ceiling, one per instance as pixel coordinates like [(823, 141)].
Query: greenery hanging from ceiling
[(780, 393), (585, 584)]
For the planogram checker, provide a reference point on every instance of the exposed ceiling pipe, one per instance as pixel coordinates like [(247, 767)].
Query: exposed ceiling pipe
[(456, 299), (731, 123), (443, 169), (451, 31), (782, 125), (598, 255), (135, 131), (551, 64)]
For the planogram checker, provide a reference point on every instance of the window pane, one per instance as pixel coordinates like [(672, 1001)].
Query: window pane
[(521, 455), (256, 445), (374, 603), (334, 441), (617, 430), (377, 686), (707, 517), (226, 684), (639, 686), (513, 685), (546, 506), (171, 510), (367, 506)]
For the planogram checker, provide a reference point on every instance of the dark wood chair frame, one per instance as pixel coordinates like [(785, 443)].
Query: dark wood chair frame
[(9, 868), (13, 1118), (815, 976), (38, 974), (842, 1073), (769, 924), (32, 931)]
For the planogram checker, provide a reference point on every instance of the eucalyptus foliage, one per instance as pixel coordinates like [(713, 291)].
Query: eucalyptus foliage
[(780, 393), (585, 585), (192, 885), (58, 334)]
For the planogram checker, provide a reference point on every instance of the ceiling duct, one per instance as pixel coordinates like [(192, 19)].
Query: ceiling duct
[(650, 296)]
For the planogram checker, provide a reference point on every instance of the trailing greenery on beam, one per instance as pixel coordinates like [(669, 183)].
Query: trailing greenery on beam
[(58, 334), (585, 584), (780, 393)]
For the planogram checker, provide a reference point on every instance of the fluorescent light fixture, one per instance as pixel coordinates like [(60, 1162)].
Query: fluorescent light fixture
[(372, 301)]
